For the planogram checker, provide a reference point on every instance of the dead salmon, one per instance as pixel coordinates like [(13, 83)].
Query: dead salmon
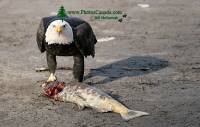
[(87, 96)]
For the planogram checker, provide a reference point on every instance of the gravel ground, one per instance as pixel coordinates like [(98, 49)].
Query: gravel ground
[(152, 65)]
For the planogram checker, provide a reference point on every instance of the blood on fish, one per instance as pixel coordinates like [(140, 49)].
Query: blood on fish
[(53, 88)]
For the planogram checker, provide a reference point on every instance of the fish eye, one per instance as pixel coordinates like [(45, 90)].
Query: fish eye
[(64, 26)]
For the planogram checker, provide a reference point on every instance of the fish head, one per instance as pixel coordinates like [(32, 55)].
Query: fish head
[(51, 89)]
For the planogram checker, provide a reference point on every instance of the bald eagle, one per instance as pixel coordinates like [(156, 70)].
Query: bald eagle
[(71, 36)]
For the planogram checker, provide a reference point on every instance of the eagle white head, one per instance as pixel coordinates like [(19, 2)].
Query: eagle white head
[(59, 32)]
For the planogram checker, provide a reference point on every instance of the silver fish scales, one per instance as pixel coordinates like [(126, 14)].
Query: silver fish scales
[(87, 96)]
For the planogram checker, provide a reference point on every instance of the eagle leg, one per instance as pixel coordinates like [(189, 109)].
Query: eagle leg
[(78, 68), (52, 64)]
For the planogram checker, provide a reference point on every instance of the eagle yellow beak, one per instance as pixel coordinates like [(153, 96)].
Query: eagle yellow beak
[(58, 29)]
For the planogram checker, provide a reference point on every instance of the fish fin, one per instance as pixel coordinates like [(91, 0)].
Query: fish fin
[(102, 110), (78, 107), (133, 114)]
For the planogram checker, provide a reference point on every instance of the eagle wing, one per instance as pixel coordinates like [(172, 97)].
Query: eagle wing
[(85, 39), (40, 37)]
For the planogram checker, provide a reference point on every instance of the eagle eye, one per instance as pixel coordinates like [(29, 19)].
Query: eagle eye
[(64, 26), (54, 26)]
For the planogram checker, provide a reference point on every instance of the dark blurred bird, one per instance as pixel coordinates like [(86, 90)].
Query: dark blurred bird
[(120, 20), (124, 15)]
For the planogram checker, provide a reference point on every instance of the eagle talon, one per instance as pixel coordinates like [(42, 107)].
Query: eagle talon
[(52, 78)]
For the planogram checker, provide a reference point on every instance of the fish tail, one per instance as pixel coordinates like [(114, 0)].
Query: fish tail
[(117, 107), (133, 114)]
